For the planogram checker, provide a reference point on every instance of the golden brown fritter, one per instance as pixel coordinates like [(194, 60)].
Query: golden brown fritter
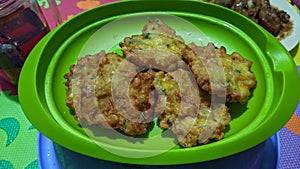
[(168, 86), (160, 77), (221, 74), (85, 69), (156, 26), (156, 59), (157, 47), (189, 113), (207, 126), (142, 95), (89, 94), (152, 41), (106, 69)]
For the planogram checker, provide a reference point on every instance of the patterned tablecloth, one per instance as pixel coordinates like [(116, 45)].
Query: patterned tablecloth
[(18, 137)]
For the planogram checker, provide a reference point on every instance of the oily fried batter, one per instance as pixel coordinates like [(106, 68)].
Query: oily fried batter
[(221, 74), (167, 85), (106, 69), (216, 71), (161, 77), (89, 94), (156, 26), (153, 41), (86, 67), (207, 126), (157, 47), (189, 114), (142, 95)]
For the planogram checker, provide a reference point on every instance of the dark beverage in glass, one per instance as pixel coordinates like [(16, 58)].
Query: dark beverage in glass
[(22, 27)]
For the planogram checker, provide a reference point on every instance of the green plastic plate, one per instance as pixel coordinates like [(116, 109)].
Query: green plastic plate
[(42, 92)]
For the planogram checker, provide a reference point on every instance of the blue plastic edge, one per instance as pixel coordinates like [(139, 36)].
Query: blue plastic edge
[(47, 156), (46, 153)]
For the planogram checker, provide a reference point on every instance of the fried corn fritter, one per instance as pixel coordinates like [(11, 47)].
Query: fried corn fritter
[(142, 95), (226, 76), (160, 77), (155, 35), (150, 41), (151, 50), (86, 67), (105, 71), (156, 26), (89, 85), (207, 126), (188, 113), (168, 86), (223, 75), (156, 43)]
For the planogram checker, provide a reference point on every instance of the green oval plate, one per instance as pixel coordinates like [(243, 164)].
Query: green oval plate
[(42, 92)]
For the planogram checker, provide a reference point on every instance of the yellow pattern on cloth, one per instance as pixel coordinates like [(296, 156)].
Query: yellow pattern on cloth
[(87, 4)]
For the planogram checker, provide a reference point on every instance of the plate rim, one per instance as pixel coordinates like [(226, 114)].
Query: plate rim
[(291, 41)]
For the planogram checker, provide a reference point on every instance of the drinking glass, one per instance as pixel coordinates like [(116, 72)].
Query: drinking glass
[(22, 26)]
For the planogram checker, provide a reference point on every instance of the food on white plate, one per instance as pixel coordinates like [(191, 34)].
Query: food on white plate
[(274, 20), (179, 85)]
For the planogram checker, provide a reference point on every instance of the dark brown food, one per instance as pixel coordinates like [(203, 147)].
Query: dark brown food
[(276, 21), (226, 3)]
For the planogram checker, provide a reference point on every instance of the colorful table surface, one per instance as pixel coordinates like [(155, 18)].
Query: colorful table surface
[(18, 138)]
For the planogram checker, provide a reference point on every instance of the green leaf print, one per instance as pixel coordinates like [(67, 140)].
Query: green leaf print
[(6, 164), (33, 165), (45, 3), (11, 127)]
